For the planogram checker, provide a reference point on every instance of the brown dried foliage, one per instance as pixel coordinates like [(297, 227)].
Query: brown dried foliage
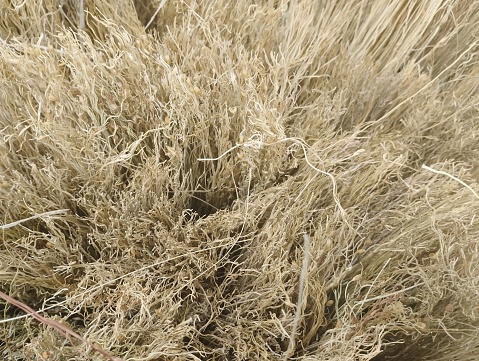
[(244, 180)]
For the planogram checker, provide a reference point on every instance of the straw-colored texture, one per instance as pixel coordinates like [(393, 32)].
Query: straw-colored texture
[(239, 180)]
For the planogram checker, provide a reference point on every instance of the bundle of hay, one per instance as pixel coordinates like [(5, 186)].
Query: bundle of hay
[(244, 180)]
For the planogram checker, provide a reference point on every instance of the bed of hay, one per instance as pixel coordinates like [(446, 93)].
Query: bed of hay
[(239, 180)]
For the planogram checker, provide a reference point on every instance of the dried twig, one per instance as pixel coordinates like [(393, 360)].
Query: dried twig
[(299, 304), (452, 177), (66, 331), (163, 2), (16, 223)]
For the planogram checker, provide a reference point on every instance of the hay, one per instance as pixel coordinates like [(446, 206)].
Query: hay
[(276, 180)]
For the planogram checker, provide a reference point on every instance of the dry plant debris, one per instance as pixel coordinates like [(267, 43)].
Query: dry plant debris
[(243, 180)]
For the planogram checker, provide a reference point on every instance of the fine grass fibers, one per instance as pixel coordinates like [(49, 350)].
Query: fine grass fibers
[(239, 180)]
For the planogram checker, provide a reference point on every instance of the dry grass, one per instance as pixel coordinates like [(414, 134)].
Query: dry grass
[(273, 180)]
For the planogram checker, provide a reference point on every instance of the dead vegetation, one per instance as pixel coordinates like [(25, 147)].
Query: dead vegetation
[(244, 180)]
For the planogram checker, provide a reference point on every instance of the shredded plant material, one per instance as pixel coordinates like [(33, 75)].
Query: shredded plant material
[(239, 180)]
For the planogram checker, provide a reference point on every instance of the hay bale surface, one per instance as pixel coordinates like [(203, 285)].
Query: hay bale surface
[(273, 180)]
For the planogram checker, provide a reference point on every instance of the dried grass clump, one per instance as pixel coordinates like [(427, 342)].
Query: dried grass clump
[(276, 180)]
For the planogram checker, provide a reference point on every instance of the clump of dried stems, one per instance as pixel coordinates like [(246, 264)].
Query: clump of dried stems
[(275, 180)]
